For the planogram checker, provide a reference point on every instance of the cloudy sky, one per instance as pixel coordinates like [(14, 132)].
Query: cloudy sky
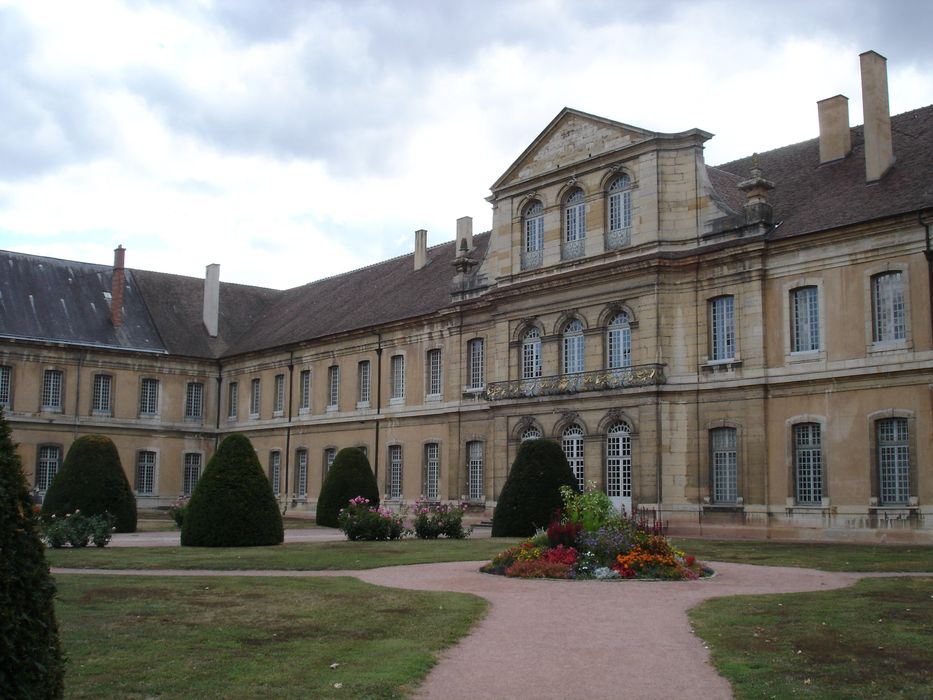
[(290, 140)]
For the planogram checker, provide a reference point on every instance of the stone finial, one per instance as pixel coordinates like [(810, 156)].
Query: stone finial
[(756, 187)]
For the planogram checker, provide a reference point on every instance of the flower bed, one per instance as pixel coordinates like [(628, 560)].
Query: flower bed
[(589, 539), (432, 520), (360, 521)]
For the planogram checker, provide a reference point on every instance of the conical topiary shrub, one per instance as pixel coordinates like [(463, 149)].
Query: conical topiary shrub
[(30, 654), (232, 504), (531, 492), (350, 476), (92, 480)]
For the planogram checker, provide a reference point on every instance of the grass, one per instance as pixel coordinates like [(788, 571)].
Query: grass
[(872, 640), (316, 556), (143, 637)]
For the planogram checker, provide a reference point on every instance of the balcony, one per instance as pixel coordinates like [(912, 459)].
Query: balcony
[(600, 380), (532, 259)]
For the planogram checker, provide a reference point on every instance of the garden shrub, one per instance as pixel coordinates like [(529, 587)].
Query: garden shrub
[(178, 509), (362, 521), (350, 476), (31, 664), (232, 504), (433, 520), (92, 480), (531, 492), (78, 530)]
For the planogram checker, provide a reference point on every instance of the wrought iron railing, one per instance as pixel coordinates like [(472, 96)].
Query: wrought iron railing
[(532, 258), (573, 249), (600, 380), (618, 238)]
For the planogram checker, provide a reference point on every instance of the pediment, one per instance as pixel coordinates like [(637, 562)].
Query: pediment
[(571, 137)]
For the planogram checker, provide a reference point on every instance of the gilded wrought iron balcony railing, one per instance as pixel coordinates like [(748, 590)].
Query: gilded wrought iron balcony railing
[(600, 380)]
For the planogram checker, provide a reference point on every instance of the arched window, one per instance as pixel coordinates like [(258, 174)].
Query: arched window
[(619, 466), (574, 225), (533, 235), (573, 347), (475, 483), (619, 230), (572, 444), (531, 433), (531, 354), (619, 341)]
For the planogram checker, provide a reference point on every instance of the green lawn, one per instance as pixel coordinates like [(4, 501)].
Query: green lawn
[(143, 637)]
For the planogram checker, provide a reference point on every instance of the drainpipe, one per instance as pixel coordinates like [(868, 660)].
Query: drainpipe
[(220, 379), (378, 404), (928, 252), (288, 427), (77, 396)]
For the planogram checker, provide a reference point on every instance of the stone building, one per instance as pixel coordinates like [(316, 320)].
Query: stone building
[(745, 348)]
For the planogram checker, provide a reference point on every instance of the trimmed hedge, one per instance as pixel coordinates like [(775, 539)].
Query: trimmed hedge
[(233, 504), (350, 476), (531, 492), (92, 480), (31, 664)]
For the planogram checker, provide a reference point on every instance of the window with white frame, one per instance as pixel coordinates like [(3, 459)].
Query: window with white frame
[(275, 471), (102, 395), (333, 387), (194, 401), (50, 459), (722, 328), (6, 385), (475, 477), (330, 454), (476, 370), (52, 380), (530, 433), (533, 235), (893, 461), (724, 465), (573, 345), (278, 386), (620, 212), (363, 373), (572, 444), (149, 397), (255, 397), (304, 391), (145, 471), (574, 216), (889, 315), (192, 472), (531, 354), (432, 470), (397, 377), (808, 464), (805, 319), (395, 471), (232, 399), (619, 341), (301, 473), (435, 387), (619, 461)]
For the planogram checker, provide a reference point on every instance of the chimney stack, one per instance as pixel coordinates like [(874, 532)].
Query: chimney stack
[(212, 299), (421, 248), (879, 155), (835, 138), (117, 282), (464, 233)]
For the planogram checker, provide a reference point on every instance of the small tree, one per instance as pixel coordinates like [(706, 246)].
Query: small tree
[(30, 654), (232, 504), (531, 492), (350, 476), (92, 480)]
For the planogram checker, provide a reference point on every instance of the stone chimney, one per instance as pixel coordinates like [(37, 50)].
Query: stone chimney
[(464, 233), (421, 248), (117, 283), (756, 187), (835, 138), (212, 299), (879, 155)]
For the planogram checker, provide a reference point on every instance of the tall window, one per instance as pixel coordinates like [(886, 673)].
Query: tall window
[(50, 458), (620, 212), (363, 374), (52, 390), (278, 405), (572, 442), (301, 473), (531, 433), (531, 354), (329, 455), (194, 401), (476, 369), (725, 465), (101, 396), (333, 387), (304, 391), (434, 372), (808, 464), (805, 319), (232, 399), (619, 341), (533, 235), (619, 462), (6, 385), (397, 367), (475, 476), (395, 471), (192, 472), (893, 461), (145, 471), (275, 471), (889, 317), (255, 397), (573, 347), (149, 397), (432, 470), (574, 225), (722, 328)]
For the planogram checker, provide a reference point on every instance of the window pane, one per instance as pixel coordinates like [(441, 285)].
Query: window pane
[(52, 390), (255, 397), (888, 307), (432, 469), (301, 469), (194, 400), (149, 397), (573, 347), (725, 471), (49, 461), (475, 477), (531, 354), (893, 461), (572, 443), (805, 322), (145, 471), (232, 392), (192, 472), (808, 463), (618, 462), (395, 471), (279, 385), (619, 342), (434, 372), (722, 322), (363, 375), (100, 401), (477, 375), (333, 386), (6, 385), (275, 471), (398, 376), (305, 390)]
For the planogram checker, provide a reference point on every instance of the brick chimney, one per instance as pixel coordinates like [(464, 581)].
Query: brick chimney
[(464, 233), (879, 154), (835, 138), (117, 282), (212, 299), (421, 248)]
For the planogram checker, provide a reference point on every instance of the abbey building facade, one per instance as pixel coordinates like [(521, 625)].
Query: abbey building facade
[(744, 348)]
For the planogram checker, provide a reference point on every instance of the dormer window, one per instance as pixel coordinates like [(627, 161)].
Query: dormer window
[(619, 231), (533, 235), (574, 244)]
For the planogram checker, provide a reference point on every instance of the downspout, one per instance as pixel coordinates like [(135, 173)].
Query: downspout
[(77, 396), (378, 403), (928, 252), (465, 481), (659, 439), (288, 426), (220, 380)]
